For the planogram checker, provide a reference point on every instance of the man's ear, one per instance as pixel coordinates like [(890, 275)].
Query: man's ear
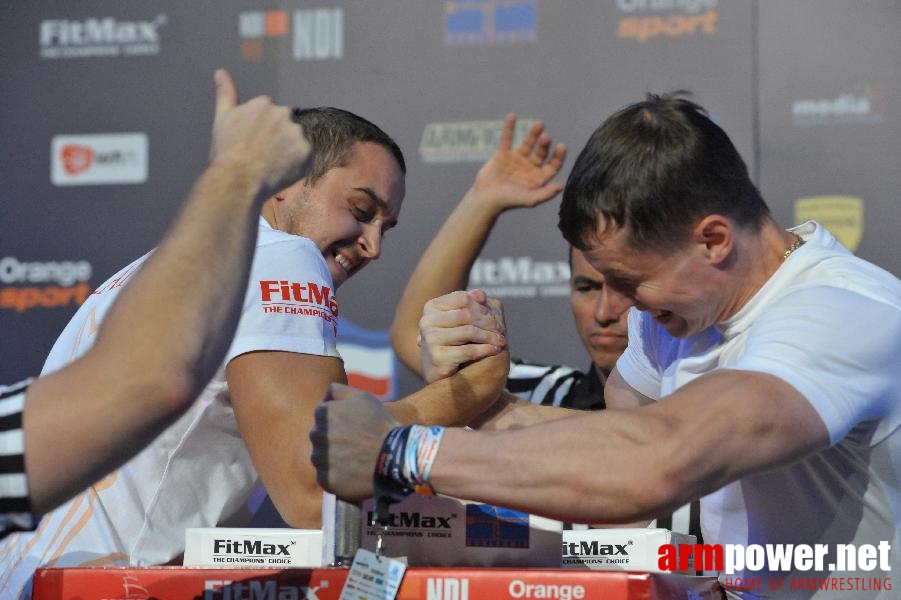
[(715, 233)]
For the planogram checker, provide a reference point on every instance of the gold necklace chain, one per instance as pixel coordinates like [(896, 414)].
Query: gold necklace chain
[(799, 241)]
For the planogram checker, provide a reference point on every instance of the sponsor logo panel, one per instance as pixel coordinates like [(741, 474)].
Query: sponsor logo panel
[(520, 277), (465, 141), (99, 159), (100, 37), (496, 527), (49, 284), (841, 215), (262, 589), (480, 22), (863, 105), (646, 20), (306, 34)]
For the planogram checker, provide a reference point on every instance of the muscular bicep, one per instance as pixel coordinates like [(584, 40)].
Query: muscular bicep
[(730, 424), (274, 395), (619, 394)]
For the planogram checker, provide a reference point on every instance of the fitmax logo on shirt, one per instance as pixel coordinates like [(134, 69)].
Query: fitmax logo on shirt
[(283, 297)]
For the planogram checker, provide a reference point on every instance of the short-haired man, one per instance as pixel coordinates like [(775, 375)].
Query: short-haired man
[(251, 422), (527, 169), (783, 343)]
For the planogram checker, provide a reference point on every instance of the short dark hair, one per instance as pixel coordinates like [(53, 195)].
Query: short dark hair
[(333, 131), (655, 168)]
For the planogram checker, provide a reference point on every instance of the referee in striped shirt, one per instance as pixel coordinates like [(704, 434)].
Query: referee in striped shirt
[(517, 177)]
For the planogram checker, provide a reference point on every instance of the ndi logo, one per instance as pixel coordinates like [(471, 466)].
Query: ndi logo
[(309, 34), (473, 22)]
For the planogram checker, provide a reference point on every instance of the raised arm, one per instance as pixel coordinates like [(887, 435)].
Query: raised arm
[(511, 178), (167, 333)]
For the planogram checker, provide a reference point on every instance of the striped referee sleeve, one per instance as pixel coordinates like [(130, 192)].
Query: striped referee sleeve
[(15, 509), (541, 384)]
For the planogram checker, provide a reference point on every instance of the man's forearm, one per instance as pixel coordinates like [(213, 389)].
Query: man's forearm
[(199, 275), (444, 267), (456, 400), (512, 412), (551, 469), (160, 343), (653, 458)]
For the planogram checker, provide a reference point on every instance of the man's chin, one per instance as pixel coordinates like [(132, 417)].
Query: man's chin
[(678, 328), (339, 276)]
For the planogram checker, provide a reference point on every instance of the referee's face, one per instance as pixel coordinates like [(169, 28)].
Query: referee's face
[(605, 339)]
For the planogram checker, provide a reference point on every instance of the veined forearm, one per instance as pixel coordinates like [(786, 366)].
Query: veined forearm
[(589, 468), (511, 412)]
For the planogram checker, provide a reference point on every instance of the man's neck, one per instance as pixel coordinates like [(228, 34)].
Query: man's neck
[(600, 373), (758, 256), (268, 213)]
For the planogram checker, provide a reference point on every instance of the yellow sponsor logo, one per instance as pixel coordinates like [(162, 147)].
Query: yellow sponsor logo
[(841, 215)]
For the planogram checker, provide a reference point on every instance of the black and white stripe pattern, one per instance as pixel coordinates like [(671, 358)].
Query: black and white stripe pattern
[(541, 384), (15, 513)]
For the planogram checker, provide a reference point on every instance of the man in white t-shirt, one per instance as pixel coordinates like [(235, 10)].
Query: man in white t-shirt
[(251, 422), (762, 374)]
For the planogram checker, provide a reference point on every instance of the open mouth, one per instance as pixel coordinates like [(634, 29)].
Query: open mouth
[(343, 262)]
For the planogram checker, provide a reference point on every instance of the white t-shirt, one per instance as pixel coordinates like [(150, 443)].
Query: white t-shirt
[(829, 324), (198, 473)]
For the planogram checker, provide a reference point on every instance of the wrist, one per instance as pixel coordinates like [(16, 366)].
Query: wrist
[(482, 204), (240, 172), (404, 464)]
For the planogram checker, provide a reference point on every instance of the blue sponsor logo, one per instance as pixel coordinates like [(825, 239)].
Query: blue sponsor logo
[(473, 22)]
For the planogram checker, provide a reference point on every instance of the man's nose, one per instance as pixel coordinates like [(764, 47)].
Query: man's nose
[(610, 305), (371, 241)]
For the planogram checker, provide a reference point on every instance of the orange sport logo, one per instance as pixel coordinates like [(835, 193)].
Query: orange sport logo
[(647, 20), (47, 284)]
